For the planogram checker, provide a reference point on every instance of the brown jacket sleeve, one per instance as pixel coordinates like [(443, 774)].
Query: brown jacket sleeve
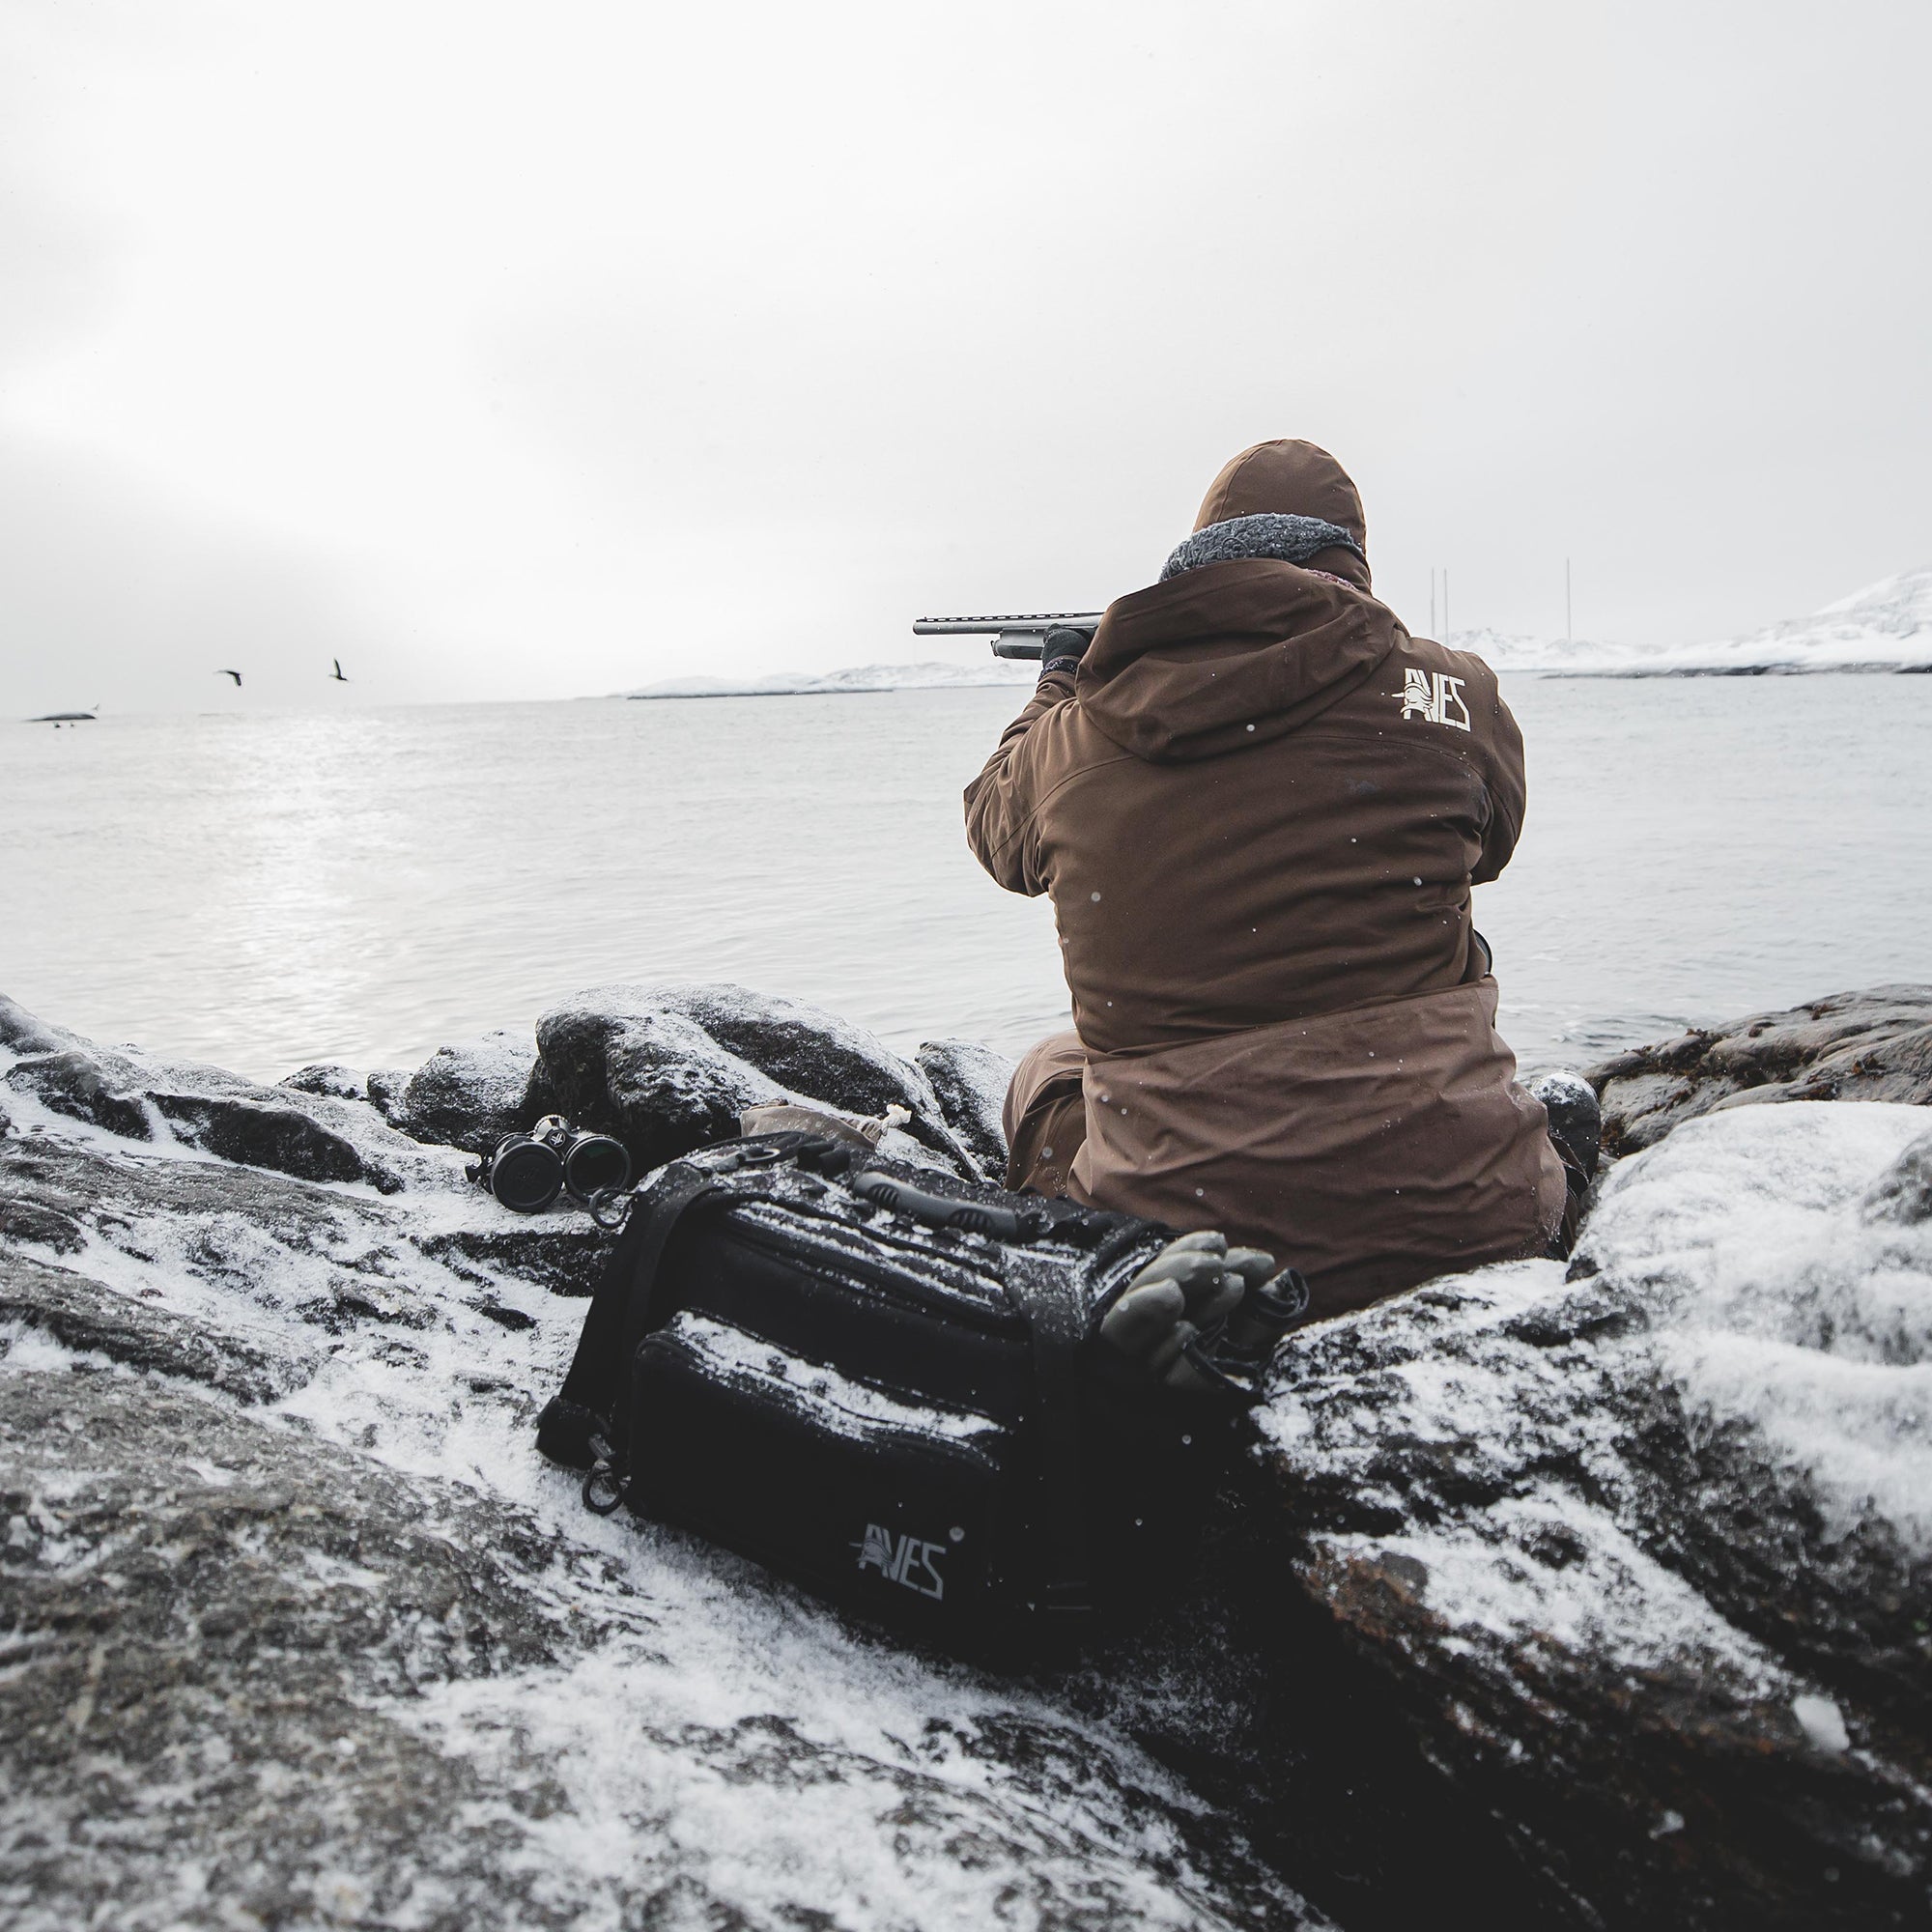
[(1000, 802), (1508, 792)]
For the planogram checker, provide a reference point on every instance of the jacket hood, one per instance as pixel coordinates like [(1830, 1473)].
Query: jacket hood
[(1289, 477), (1228, 655)]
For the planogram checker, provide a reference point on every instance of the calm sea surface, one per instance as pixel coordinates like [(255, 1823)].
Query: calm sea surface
[(263, 891)]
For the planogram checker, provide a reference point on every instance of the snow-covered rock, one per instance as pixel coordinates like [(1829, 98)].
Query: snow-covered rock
[(386, 1087), (1646, 1553), (295, 1628), (1873, 1045), (330, 1077), (669, 1066), (1587, 1602), (615, 1060), (970, 1080), (296, 1131), (473, 1093)]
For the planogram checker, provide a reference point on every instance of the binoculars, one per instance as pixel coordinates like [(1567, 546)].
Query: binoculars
[(528, 1172)]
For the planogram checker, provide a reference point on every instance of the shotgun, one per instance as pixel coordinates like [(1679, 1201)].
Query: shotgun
[(1020, 636)]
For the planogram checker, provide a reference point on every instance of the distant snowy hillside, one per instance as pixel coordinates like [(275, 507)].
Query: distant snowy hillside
[(1887, 625), (861, 677)]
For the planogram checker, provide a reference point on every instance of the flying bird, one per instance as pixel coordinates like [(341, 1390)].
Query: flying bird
[(235, 674), (337, 672)]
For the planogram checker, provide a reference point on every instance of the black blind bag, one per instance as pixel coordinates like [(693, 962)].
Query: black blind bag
[(878, 1381)]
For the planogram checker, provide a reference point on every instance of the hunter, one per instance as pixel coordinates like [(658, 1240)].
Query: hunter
[(1259, 807)]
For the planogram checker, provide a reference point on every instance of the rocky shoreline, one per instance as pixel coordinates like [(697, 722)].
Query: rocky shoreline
[(1590, 1596)]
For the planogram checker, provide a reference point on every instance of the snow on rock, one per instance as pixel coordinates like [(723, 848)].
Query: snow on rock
[(669, 1066), (472, 1094), (617, 1059), (1789, 1254), (125, 1091), (330, 1077), (276, 1679), (970, 1080), (1651, 1541), (386, 1087), (299, 1629), (807, 1050), (1872, 1045)]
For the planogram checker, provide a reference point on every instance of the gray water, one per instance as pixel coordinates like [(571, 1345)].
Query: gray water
[(262, 890)]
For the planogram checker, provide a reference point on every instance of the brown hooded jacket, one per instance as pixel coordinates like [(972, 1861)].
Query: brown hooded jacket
[(1259, 807)]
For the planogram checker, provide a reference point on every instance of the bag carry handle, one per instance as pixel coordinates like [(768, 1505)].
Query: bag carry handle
[(939, 1210)]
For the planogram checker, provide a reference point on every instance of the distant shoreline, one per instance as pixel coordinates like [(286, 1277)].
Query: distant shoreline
[(1877, 670), (796, 691)]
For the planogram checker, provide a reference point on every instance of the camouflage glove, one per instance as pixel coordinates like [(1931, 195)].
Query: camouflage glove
[(1189, 1286)]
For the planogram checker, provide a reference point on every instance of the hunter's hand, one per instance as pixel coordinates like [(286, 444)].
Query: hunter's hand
[(1062, 649)]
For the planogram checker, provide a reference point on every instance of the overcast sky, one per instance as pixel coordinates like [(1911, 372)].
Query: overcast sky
[(538, 350)]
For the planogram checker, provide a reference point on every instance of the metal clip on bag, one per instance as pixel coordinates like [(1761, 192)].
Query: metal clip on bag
[(873, 1380)]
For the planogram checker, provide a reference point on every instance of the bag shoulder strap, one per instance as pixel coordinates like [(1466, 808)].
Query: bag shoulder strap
[(620, 1315), (1056, 1312)]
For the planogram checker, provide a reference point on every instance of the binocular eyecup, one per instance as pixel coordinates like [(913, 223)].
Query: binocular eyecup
[(528, 1172)]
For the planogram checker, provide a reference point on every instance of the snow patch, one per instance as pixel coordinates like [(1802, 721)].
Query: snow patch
[(1823, 1722), (847, 1407), (1786, 1305)]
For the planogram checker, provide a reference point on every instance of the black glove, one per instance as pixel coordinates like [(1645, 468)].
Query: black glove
[(1062, 649)]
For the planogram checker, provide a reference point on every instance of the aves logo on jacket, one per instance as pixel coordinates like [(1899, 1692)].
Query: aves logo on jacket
[(1434, 696)]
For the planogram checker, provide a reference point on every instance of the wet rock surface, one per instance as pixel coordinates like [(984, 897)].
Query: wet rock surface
[(1587, 1602), (1874, 1046)]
